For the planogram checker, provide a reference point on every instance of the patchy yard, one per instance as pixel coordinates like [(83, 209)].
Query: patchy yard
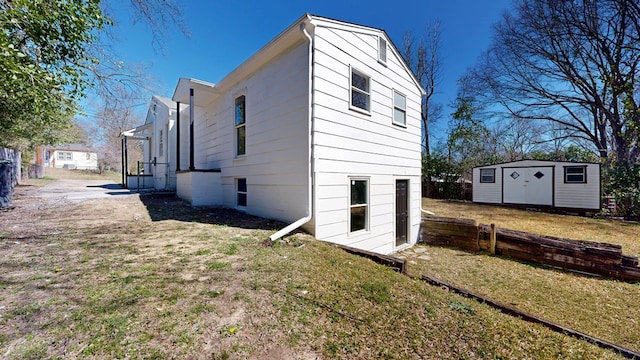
[(605, 308), (150, 278)]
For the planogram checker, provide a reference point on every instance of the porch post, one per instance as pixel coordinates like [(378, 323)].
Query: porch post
[(126, 163), (191, 147), (178, 137), (124, 184)]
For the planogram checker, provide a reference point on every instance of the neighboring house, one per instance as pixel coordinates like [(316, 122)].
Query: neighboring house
[(159, 149), (544, 184), (320, 128), (70, 156)]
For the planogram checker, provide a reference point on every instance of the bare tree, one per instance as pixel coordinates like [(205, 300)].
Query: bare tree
[(423, 57), (117, 115), (574, 64)]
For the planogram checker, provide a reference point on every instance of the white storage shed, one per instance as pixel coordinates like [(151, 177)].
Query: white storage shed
[(542, 184)]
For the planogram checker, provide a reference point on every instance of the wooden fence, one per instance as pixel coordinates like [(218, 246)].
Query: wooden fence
[(588, 256)]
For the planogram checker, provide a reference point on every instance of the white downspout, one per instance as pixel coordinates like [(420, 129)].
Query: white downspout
[(311, 174)]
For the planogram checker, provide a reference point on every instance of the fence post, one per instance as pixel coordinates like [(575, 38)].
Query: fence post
[(492, 246)]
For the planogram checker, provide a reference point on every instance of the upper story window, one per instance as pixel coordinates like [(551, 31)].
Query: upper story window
[(575, 174), (487, 175), (399, 109), (382, 50), (240, 122), (360, 91), (161, 144)]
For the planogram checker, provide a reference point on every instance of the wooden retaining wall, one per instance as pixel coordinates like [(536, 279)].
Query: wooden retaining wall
[(588, 256)]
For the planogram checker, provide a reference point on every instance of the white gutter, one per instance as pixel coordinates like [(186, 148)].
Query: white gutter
[(311, 174)]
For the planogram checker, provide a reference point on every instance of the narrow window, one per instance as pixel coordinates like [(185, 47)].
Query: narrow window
[(161, 145), (399, 109), (60, 156), (69, 156), (359, 206), (360, 91), (241, 185), (382, 50), (240, 119), (575, 174), (88, 156), (487, 175)]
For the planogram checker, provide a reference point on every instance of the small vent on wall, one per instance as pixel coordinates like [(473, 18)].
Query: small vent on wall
[(382, 50)]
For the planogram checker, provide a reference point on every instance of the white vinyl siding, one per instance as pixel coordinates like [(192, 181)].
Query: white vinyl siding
[(275, 164), (351, 146)]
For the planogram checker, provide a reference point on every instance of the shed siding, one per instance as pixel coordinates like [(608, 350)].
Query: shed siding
[(487, 192), (275, 164), (351, 144), (574, 196)]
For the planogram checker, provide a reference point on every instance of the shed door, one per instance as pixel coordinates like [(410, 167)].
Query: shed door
[(402, 211), (528, 185)]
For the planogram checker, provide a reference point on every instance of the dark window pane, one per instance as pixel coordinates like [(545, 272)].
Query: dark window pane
[(359, 81), (358, 218), (578, 170), (240, 110), (242, 199), (240, 141), (358, 192), (488, 175), (360, 100), (575, 178), (242, 185)]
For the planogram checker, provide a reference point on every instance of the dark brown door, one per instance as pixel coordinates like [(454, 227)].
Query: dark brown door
[(402, 211)]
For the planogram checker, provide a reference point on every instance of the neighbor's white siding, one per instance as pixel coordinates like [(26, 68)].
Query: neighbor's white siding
[(275, 164), (79, 160), (351, 144)]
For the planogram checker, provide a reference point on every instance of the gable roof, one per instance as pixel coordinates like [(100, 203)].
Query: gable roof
[(286, 39)]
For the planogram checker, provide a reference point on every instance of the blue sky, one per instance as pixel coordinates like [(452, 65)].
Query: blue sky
[(224, 33)]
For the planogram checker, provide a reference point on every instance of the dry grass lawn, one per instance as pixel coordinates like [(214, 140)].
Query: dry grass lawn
[(601, 307), (151, 278)]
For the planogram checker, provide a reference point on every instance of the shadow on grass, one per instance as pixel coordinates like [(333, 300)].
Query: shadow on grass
[(170, 207)]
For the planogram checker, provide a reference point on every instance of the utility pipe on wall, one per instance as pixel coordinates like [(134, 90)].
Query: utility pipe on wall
[(311, 168)]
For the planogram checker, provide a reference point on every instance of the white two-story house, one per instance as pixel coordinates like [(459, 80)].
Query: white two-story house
[(319, 129)]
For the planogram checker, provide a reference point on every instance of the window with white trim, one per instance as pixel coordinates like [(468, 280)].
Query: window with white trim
[(60, 156), (161, 144), (575, 174), (487, 175), (240, 123), (399, 109), (360, 91), (359, 205), (382, 50), (69, 156), (241, 190)]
